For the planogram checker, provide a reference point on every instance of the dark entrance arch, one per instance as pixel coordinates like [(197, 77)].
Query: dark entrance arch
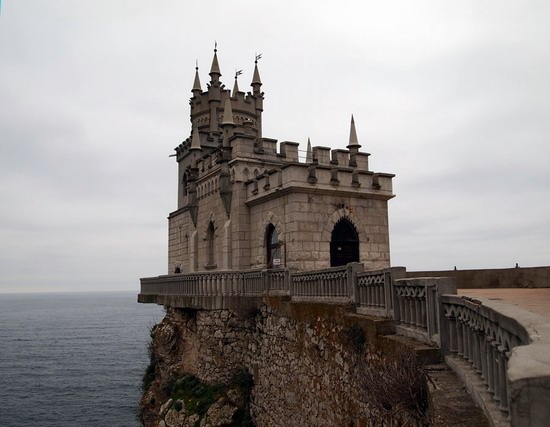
[(344, 244)]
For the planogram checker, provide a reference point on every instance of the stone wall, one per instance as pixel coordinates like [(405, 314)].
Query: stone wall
[(303, 358), (531, 277)]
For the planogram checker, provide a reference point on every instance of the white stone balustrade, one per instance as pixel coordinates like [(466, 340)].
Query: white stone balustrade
[(416, 308), (374, 291), (499, 343), (335, 283), (506, 349)]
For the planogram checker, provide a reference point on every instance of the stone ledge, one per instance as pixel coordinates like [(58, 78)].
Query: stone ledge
[(450, 402), (478, 390), (427, 354)]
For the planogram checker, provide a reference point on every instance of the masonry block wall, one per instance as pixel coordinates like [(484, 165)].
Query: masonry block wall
[(303, 358)]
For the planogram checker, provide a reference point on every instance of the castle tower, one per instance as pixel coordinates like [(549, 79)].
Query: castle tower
[(246, 201)]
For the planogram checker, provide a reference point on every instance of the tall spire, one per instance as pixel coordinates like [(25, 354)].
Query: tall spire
[(215, 68), (309, 156), (256, 81), (353, 142), (197, 90)]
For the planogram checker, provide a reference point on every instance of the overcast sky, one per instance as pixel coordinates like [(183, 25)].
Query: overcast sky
[(451, 96)]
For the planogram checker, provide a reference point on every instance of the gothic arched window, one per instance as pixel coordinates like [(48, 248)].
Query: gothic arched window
[(273, 247)]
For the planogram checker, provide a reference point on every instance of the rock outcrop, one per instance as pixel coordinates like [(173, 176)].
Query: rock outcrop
[(288, 363)]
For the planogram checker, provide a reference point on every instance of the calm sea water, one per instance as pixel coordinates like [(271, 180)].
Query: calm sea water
[(73, 359)]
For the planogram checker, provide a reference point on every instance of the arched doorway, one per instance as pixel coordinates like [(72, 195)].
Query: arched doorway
[(344, 244), (273, 247)]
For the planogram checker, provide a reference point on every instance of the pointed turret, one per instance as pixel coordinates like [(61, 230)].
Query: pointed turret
[(257, 95), (197, 90), (215, 68), (195, 140), (228, 114), (214, 91), (235, 88), (256, 81), (236, 85), (309, 156), (353, 142)]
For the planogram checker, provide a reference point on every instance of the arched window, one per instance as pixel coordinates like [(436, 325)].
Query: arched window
[(344, 244), (210, 244), (273, 247)]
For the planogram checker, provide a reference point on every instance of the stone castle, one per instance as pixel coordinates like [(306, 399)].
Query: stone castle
[(246, 201), (288, 300)]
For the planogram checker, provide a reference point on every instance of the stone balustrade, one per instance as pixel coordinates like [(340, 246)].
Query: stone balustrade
[(499, 344), (416, 308), (374, 291), (507, 353), (333, 283)]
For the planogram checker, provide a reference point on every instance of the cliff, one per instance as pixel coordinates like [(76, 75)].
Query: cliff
[(285, 364)]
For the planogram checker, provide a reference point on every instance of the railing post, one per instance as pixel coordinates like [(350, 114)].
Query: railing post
[(395, 273), (265, 282), (290, 283), (353, 289)]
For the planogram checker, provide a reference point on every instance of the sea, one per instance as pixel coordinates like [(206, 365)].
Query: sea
[(73, 359)]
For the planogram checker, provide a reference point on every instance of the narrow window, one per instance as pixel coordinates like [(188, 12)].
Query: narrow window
[(210, 244), (273, 248)]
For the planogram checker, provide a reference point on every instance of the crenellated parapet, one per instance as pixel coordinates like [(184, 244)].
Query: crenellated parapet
[(269, 171)]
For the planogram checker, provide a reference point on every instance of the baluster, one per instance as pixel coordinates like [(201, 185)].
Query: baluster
[(403, 309), (475, 349), (412, 312), (459, 336), (479, 351), (465, 340), (490, 365), (470, 341), (423, 320), (420, 298), (451, 325), (503, 364), (483, 355), (496, 371)]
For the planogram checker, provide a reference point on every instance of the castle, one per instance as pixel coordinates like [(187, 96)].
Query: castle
[(247, 202)]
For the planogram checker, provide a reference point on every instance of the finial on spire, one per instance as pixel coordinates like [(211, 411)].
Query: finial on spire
[(215, 46), (353, 141), (258, 57)]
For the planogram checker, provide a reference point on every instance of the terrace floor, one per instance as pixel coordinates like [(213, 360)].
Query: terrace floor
[(535, 300)]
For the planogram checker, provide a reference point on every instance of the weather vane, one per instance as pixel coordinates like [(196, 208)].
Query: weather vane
[(258, 56), (238, 73), (215, 46)]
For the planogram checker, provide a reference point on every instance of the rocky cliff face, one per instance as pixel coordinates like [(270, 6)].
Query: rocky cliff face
[(286, 364)]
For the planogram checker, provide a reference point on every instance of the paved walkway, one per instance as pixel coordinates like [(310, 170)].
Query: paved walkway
[(536, 300)]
